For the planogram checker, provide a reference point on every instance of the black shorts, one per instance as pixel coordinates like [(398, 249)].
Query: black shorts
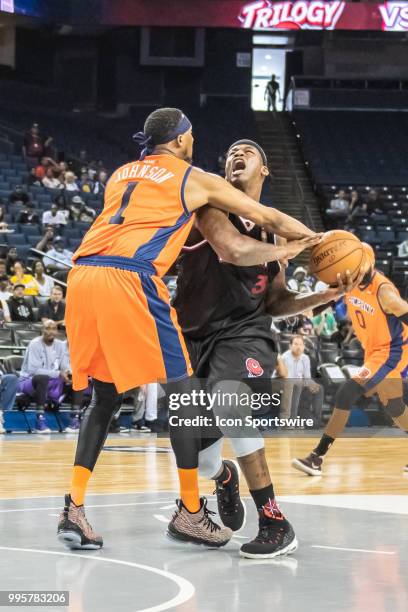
[(249, 358)]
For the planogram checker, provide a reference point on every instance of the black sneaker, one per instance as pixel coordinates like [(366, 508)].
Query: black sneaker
[(275, 536), (406, 468), (230, 507), (74, 530), (312, 464)]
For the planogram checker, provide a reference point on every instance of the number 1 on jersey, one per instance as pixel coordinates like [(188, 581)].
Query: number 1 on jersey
[(117, 218)]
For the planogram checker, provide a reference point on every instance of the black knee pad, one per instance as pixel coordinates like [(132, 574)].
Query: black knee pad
[(395, 407), (348, 393)]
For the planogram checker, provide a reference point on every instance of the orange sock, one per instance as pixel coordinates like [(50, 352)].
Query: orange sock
[(189, 492), (79, 482)]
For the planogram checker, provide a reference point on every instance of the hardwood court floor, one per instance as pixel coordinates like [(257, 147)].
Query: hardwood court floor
[(40, 466)]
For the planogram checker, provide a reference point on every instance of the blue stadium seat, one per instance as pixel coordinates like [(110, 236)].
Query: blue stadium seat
[(16, 239)]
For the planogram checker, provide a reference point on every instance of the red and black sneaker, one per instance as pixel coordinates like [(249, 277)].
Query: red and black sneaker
[(311, 465), (230, 507), (275, 536)]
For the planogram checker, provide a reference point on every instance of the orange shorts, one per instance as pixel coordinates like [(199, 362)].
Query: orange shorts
[(383, 373), (122, 329)]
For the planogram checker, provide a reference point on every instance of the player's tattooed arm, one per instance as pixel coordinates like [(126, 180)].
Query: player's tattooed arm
[(391, 302), (234, 248), (203, 188)]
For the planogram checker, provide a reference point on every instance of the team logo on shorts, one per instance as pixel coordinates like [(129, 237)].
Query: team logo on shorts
[(254, 367), (364, 373)]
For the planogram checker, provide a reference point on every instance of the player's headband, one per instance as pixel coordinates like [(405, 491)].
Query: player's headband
[(147, 144), (245, 141)]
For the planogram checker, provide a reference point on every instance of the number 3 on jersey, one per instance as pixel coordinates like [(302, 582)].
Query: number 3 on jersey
[(117, 218)]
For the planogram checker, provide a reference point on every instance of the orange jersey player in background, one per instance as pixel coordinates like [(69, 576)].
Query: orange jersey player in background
[(121, 329), (380, 321)]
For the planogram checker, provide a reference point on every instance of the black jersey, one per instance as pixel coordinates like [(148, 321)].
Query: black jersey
[(213, 296)]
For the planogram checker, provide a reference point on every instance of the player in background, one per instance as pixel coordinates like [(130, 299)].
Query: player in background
[(224, 304), (380, 320), (121, 329)]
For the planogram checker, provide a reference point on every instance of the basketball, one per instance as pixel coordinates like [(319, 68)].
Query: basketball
[(338, 252)]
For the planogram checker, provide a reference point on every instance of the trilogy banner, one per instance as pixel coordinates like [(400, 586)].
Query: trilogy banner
[(259, 14)]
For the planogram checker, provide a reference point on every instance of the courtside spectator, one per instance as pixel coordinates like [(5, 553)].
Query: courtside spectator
[(54, 217), (45, 283), (325, 323), (299, 374), (304, 326), (44, 372), (20, 309), (18, 196), (21, 277), (8, 390), (300, 281), (403, 249), (32, 179), (28, 215), (54, 308)]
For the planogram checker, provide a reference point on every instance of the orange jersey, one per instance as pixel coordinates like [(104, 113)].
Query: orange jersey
[(377, 331), (144, 219)]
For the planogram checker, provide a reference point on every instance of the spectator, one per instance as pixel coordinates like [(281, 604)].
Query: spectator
[(8, 391), (46, 241), (344, 333), (3, 267), (271, 90), (21, 277), (61, 203), (357, 206), (64, 255), (298, 365), (325, 323), (50, 181), (70, 183), (45, 283), (373, 202), (44, 372), (100, 184), (304, 326), (4, 287), (81, 212), (10, 260), (28, 215), (54, 217), (54, 308), (86, 184), (299, 280), (3, 224), (339, 206), (32, 179), (20, 309), (35, 146), (41, 169), (403, 249), (18, 196)]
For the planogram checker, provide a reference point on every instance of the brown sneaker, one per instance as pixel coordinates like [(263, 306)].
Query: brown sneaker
[(311, 465), (74, 530), (197, 527)]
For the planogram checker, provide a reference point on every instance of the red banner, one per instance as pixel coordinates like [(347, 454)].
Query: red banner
[(258, 15)]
